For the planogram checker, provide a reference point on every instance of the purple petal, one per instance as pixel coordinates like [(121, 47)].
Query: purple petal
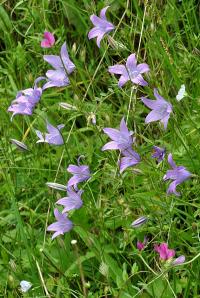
[(68, 64), (131, 62), (165, 120), (171, 161), (97, 21), (172, 188), (117, 69), (99, 38), (153, 116), (73, 169), (103, 13), (113, 133), (143, 67), (123, 80), (139, 81), (110, 146), (94, 32), (152, 104), (126, 162), (178, 261), (53, 60), (124, 128), (158, 96)]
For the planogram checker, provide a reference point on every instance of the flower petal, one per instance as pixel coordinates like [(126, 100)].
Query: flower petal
[(131, 62), (117, 69), (143, 67), (68, 64), (110, 146), (53, 60)]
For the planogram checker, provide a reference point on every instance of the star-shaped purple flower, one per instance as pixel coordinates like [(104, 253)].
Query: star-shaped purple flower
[(131, 72), (72, 201), (178, 174), (53, 137), (121, 139), (159, 153), (164, 252), (63, 67), (102, 26), (63, 224), (161, 109), (25, 101), (80, 173), (130, 158)]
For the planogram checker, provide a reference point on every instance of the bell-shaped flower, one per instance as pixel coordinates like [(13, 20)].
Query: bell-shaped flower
[(53, 137), (48, 40), (63, 66), (80, 173), (130, 72), (72, 201), (159, 153), (61, 226), (164, 252), (161, 109), (121, 139), (178, 174), (26, 100), (139, 222), (129, 158), (101, 26)]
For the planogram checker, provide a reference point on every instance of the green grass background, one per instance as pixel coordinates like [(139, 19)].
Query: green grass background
[(164, 34)]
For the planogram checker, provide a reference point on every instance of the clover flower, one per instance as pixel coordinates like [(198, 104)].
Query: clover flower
[(72, 201), (101, 26), (63, 66), (141, 245), (178, 173), (48, 40), (164, 252), (161, 109), (61, 226), (80, 173), (130, 72), (53, 137), (159, 153), (26, 100), (129, 158), (121, 139)]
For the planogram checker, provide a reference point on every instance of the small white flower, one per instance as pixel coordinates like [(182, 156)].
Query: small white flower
[(181, 93), (25, 286), (73, 242)]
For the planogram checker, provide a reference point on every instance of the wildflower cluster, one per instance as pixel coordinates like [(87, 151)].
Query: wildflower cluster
[(121, 139)]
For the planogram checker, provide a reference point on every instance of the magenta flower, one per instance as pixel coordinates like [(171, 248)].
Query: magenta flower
[(121, 139), (25, 101), (72, 201), (139, 222), (63, 224), (80, 173), (131, 72), (63, 67), (48, 40), (178, 261), (178, 173), (101, 26), (159, 153), (53, 137), (130, 158), (161, 109), (164, 252), (141, 245)]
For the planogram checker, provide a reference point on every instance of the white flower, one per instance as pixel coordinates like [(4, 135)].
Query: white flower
[(25, 286), (181, 93)]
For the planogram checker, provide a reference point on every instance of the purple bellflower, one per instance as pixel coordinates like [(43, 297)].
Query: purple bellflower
[(178, 174), (80, 173), (164, 252), (131, 72), (63, 224), (159, 153), (161, 109), (101, 26), (53, 137), (130, 158), (63, 67), (25, 101), (48, 40), (121, 139), (72, 201)]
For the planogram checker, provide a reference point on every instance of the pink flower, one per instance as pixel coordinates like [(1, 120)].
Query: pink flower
[(48, 40), (141, 245), (164, 252)]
